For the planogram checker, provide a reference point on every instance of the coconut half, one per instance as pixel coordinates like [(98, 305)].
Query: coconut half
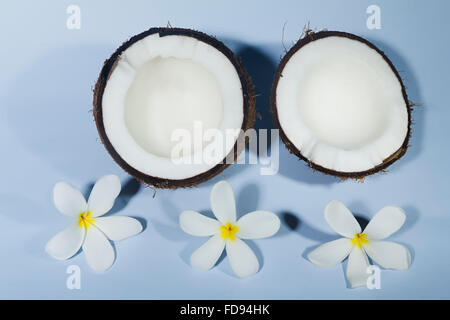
[(341, 105), (164, 80)]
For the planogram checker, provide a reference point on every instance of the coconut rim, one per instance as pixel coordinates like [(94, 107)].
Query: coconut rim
[(248, 107), (309, 37)]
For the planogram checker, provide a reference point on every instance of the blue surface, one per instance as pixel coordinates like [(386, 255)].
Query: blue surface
[(47, 135)]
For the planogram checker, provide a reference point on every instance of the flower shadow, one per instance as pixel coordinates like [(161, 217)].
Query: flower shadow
[(35, 217), (171, 230), (129, 189), (247, 201), (292, 222), (171, 210), (412, 216), (193, 244), (173, 233)]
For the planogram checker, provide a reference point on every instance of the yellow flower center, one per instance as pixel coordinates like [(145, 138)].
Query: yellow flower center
[(85, 219), (359, 239), (228, 231)]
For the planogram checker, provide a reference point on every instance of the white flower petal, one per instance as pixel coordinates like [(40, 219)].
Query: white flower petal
[(357, 268), (341, 219), (222, 202), (197, 224), (98, 250), (118, 227), (387, 221), (242, 259), (257, 225), (66, 243), (68, 200), (103, 195), (205, 257), (330, 253), (389, 255)]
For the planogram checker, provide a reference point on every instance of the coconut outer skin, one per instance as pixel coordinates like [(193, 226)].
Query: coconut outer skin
[(248, 107), (310, 36)]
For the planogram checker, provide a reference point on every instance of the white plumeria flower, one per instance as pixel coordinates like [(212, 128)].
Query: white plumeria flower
[(227, 233), (87, 230), (358, 245)]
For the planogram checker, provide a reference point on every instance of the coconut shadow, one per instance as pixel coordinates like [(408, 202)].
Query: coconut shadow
[(52, 120), (413, 91), (262, 66)]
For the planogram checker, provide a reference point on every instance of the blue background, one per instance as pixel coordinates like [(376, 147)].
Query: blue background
[(48, 134)]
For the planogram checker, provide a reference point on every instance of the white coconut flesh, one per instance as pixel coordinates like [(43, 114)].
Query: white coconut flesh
[(339, 102), (160, 85)]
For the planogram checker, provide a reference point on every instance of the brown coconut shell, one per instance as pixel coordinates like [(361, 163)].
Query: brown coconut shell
[(309, 37), (248, 107)]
